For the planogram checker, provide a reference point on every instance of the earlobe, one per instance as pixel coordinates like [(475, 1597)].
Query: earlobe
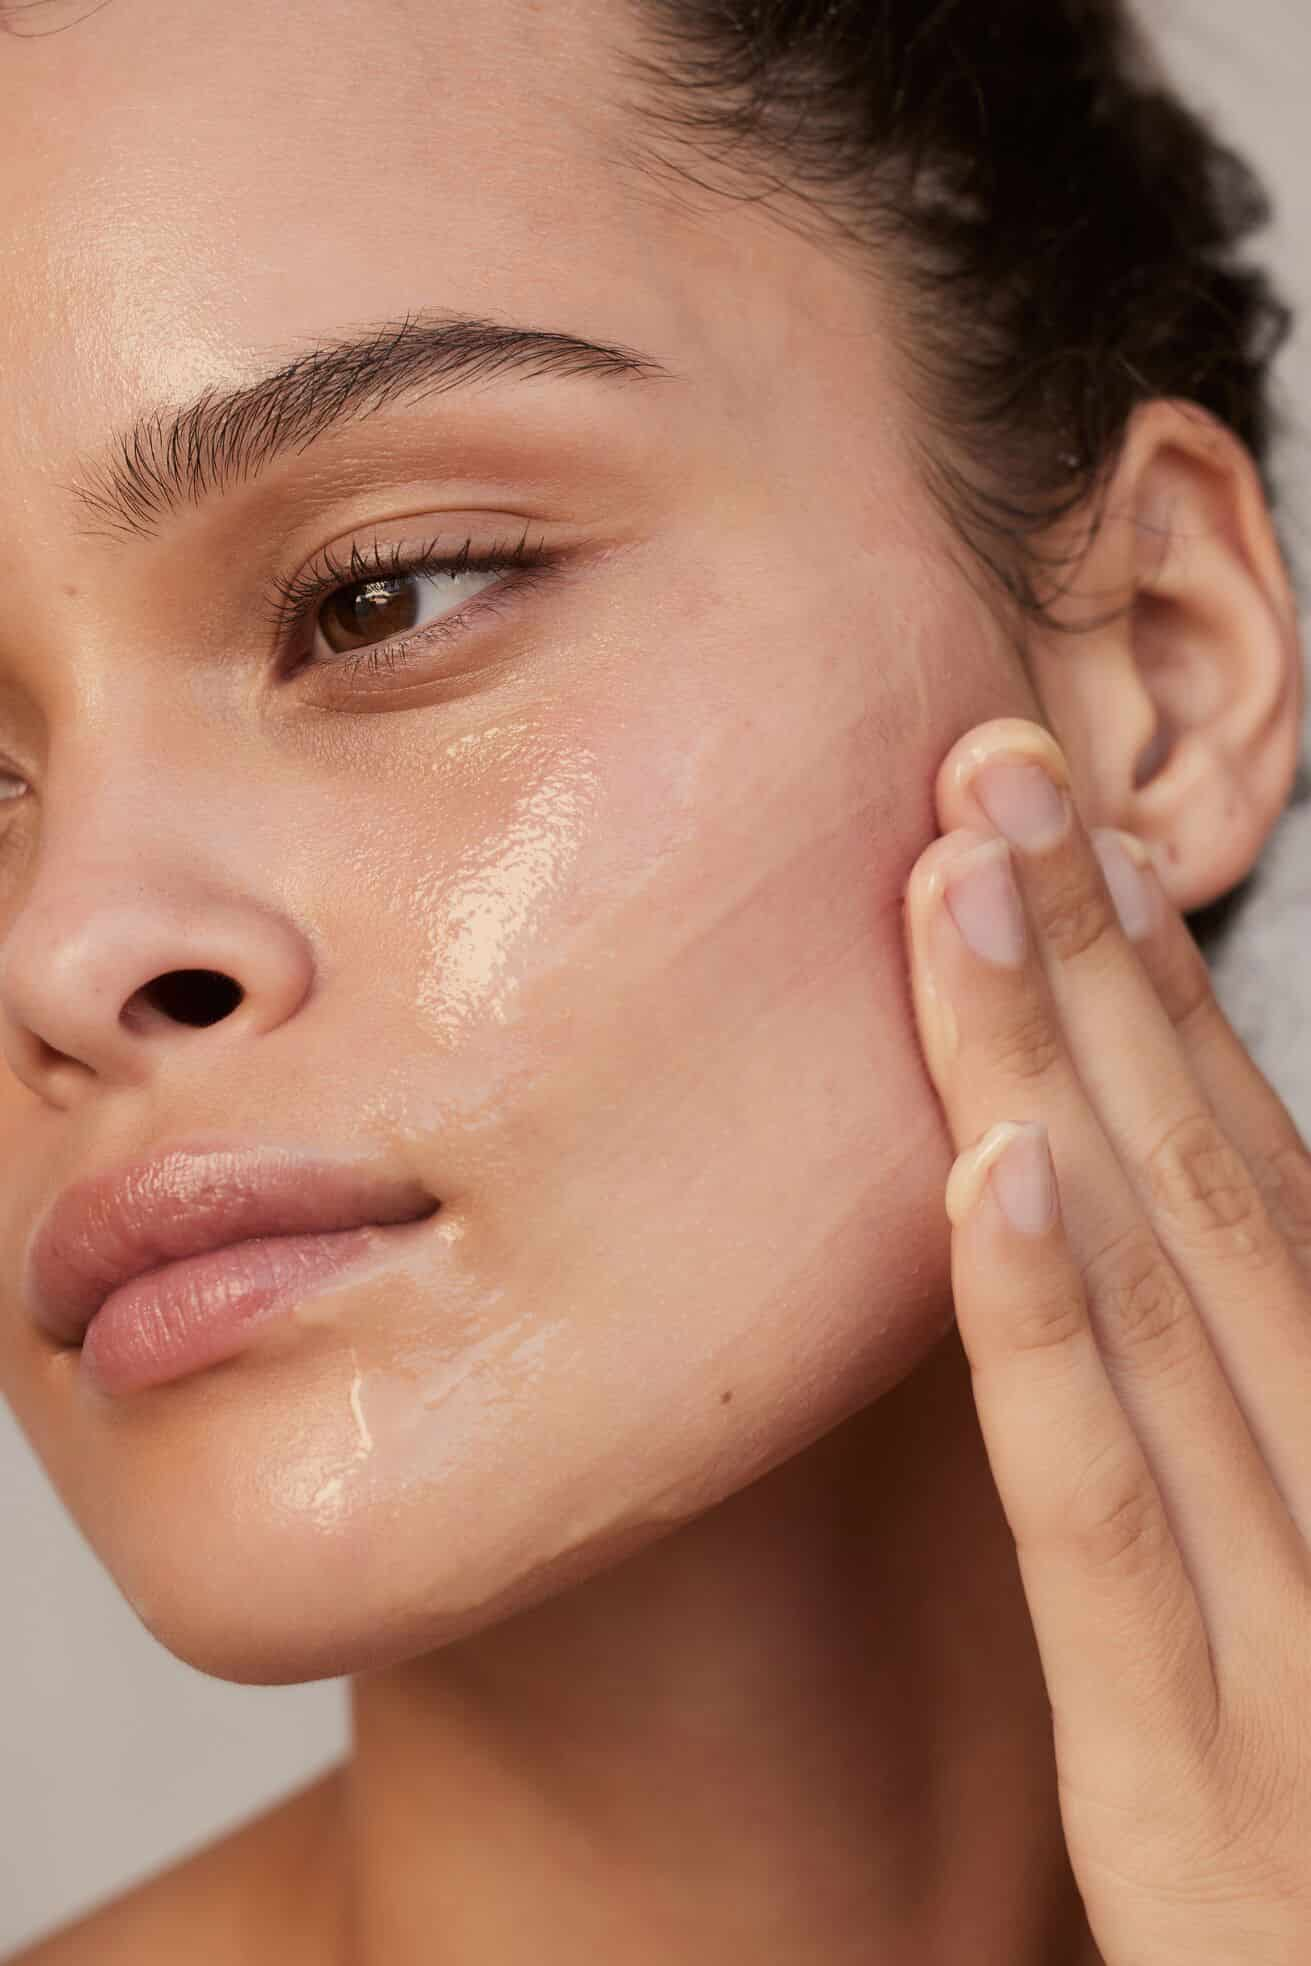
[(1181, 716)]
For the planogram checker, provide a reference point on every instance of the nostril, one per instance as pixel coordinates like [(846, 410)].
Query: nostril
[(193, 996)]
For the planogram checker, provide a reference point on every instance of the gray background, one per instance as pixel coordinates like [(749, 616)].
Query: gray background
[(117, 1758)]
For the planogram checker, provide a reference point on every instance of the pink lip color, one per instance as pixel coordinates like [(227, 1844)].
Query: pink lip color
[(195, 1312)]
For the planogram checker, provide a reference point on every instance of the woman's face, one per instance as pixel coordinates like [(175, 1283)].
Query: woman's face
[(587, 919)]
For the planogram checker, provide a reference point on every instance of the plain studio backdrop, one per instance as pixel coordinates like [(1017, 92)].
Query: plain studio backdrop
[(116, 1757)]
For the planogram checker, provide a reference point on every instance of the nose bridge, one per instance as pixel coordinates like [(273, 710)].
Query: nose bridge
[(142, 922), (81, 686)]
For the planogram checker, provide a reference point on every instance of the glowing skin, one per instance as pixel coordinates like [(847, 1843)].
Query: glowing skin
[(605, 946)]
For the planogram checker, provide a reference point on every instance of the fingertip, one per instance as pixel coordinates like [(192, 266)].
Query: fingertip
[(1017, 737), (970, 1170), (1024, 1181), (1126, 867), (1014, 1160)]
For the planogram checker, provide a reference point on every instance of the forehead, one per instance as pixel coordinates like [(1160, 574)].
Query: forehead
[(191, 190), (187, 185), (251, 115)]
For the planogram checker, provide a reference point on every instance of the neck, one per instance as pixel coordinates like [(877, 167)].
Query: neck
[(810, 1724)]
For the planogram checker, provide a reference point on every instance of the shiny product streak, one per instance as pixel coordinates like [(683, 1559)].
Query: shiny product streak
[(403, 1442), (477, 918)]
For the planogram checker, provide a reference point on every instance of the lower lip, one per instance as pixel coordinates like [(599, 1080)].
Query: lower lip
[(203, 1309)]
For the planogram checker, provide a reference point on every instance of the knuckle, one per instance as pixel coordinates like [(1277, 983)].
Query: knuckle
[(1114, 1520), (1073, 918), (1025, 1046), (1289, 1191), (1197, 1178), (1141, 1306), (1047, 1321), (1257, 1817)]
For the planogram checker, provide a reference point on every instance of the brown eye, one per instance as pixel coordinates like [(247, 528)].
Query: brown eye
[(386, 607), (368, 611), (375, 610)]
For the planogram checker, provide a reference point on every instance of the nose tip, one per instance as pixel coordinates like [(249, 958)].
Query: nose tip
[(107, 981)]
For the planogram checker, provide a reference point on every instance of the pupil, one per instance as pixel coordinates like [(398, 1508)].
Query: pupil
[(369, 610)]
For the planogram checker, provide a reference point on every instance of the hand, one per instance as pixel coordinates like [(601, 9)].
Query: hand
[(1138, 1328)]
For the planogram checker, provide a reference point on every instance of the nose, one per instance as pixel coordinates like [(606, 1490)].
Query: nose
[(111, 968)]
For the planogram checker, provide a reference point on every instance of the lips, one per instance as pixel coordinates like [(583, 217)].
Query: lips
[(105, 1231)]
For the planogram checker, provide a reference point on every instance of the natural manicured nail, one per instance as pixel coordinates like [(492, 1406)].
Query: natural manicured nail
[(1015, 1161), (1024, 1181), (1022, 802), (985, 904), (1123, 859)]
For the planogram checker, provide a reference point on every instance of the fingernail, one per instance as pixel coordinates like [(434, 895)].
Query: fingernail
[(970, 1170), (1024, 1181), (1022, 803), (1123, 858), (985, 905), (1015, 1160)]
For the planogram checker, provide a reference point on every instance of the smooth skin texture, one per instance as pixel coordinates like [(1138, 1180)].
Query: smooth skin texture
[(647, 1505)]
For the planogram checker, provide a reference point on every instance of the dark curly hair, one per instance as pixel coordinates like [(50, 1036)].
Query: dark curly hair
[(1069, 228), (1061, 230)]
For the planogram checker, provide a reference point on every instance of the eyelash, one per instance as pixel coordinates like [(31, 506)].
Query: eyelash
[(300, 597)]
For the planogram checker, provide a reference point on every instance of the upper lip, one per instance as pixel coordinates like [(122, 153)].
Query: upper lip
[(104, 1231)]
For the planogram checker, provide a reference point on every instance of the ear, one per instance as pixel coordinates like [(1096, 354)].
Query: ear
[(1180, 706)]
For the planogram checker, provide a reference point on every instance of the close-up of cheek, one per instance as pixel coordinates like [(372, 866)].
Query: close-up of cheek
[(624, 986)]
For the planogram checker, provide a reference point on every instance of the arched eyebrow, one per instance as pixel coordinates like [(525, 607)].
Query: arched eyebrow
[(175, 455)]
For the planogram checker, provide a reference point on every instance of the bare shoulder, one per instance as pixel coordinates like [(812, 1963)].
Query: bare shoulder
[(255, 1894)]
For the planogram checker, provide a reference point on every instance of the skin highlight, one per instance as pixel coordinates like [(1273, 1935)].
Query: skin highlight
[(643, 1500)]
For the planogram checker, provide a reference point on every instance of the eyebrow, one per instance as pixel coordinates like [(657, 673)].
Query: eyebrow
[(174, 455)]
